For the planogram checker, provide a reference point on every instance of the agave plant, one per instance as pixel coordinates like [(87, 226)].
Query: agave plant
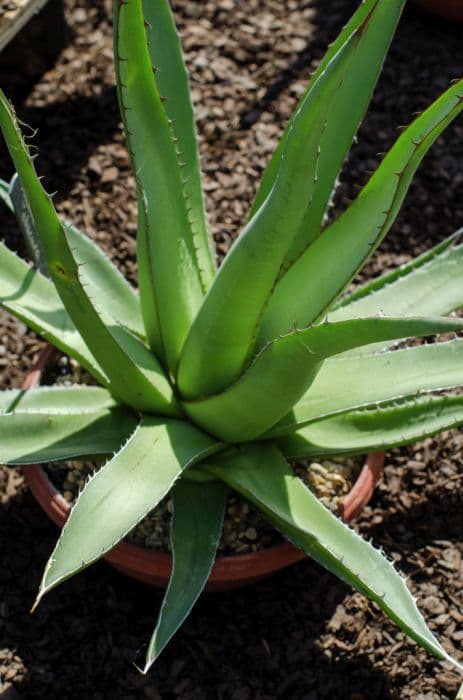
[(215, 379)]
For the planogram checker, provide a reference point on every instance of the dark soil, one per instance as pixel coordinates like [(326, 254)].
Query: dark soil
[(301, 635)]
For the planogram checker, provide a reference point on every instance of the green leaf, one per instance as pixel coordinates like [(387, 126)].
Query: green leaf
[(310, 287), (196, 526), (222, 336), (56, 399), (99, 276), (429, 284), (105, 283), (372, 28), (263, 477), (170, 279), (134, 374), (27, 226), (33, 436), (172, 80), (376, 428), (357, 19), (285, 368), (122, 493), (29, 296), (347, 383)]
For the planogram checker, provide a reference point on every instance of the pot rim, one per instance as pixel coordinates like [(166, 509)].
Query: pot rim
[(150, 566)]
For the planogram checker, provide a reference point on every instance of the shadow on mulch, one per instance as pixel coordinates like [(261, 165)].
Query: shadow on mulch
[(82, 640), (68, 132)]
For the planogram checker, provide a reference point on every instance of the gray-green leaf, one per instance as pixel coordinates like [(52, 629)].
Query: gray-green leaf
[(196, 526)]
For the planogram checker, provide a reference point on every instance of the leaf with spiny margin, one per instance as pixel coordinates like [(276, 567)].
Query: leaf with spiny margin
[(346, 383), (122, 493), (373, 27), (56, 399), (172, 80), (198, 511), (260, 474), (134, 374), (429, 284), (222, 336), (97, 272), (34, 436), (271, 171), (312, 284), (99, 275), (32, 298), (285, 368), (172, 278), (376, 428)]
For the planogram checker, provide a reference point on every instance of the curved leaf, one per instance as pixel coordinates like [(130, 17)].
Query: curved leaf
[(310, 287), (445, 255), (56, 399), (172, 80), (263, 477), (122, 492), (352, 26), (223, 333), (344, 384), (284, 370), (31, 436), (372, 28), (29, 296), (430, 284), (99, 275), (169, 276), (133, 372), (374, 429), (196, 526)]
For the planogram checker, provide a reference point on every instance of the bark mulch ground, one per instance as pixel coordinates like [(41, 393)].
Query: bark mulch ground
[(301, 635)]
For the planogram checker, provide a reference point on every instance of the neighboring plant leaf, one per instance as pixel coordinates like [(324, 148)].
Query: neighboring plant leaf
[(284, 370), (172, 80), (344, 384), (133, 372), (122, 493), (222, 336), (376, 428), (172, 278), (311, 285), (32, 298), (428, 284), (195, 532), (372, 28), (261, 475), (31, 437)]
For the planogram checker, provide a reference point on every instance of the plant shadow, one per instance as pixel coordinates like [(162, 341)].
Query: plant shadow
[(230, 647)]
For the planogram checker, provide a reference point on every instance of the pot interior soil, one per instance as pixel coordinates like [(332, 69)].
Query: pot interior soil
[(245, 530)]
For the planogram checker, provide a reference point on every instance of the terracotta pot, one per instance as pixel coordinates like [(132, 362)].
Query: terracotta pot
[(450, 9), (154, 567)]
